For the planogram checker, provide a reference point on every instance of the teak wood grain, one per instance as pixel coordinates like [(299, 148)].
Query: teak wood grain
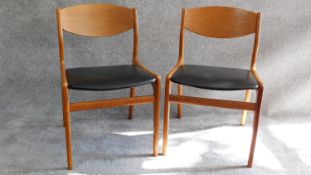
[(98, 104), (103, 20), (220, 22), (217, 22), (213, 102), (97, 19)]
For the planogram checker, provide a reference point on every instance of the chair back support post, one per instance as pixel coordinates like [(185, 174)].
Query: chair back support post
[(61, 48), (256, 42), (182, 38), (136, 38)]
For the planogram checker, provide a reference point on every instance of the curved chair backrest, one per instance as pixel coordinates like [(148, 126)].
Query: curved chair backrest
[(96, 19), (220, 22)]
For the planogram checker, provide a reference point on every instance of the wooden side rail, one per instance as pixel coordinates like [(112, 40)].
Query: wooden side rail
[(213, 102), (89, 105)]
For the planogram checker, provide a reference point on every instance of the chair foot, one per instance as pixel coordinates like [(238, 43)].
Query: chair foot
[(164, 153), (69, 168), (130, 116), (179, 113), (250, 165), (131, 111)]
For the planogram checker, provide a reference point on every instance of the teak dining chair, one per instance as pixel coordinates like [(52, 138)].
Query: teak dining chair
[(99, 20), (216, 22)]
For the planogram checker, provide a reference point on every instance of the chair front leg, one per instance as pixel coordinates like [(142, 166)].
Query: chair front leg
[(255, 127), (156, 115), (131, 108), (179, 106), (247, 99), (66, 112), (166, 114)]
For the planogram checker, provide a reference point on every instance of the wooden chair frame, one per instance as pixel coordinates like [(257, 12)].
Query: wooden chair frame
[(223, 32), (128, 20)]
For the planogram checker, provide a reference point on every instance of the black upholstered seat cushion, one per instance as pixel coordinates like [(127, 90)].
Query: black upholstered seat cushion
[(107, 78), (215, 78)]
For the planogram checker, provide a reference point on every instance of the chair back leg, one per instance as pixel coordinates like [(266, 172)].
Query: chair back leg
[(131, 108), (179, 107), (247, 99)]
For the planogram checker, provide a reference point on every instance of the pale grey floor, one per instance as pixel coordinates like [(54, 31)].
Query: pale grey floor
[(105, 142)]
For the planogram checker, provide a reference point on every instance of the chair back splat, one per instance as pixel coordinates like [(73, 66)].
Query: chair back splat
[(220, 22), (97, 19)]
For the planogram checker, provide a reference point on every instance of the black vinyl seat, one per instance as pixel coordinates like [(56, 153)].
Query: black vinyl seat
[(215, 78), (107, 77)]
